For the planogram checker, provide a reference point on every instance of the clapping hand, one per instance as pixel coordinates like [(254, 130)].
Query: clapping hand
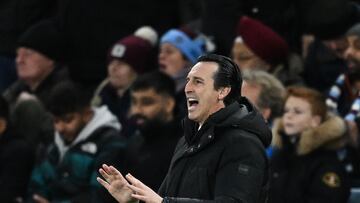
[(126, 190)]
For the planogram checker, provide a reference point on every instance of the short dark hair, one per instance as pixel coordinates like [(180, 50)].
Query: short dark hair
[(160, 82), (69, 97), (4, 108), (227, 75)]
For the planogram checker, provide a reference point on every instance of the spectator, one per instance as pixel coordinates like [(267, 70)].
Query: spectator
[(37, 62), (258, 47), (85, 138), (265, 92), (15, 18), (128, 58), (305, 165), (150, 149), (39, 51), (351, 90), (325, 53)]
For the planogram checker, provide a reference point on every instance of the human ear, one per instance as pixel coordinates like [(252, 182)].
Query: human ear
[(170, 105), (224, 92), (3, 125)]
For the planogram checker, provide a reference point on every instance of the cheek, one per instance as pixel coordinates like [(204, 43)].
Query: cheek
[(304, 122), (152, 111), (357, 56)]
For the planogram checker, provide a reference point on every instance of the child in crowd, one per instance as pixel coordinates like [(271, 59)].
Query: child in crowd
[(305, 166)]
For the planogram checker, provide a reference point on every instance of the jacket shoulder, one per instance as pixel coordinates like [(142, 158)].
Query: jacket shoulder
[(235, 134)]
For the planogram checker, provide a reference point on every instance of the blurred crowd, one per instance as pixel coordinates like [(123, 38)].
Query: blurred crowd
[(85, 83)]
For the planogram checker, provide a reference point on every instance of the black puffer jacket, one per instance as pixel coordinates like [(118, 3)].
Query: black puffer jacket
[(224, 161), (307, 169)]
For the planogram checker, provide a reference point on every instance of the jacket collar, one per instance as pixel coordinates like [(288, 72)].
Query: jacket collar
[(329, 135)]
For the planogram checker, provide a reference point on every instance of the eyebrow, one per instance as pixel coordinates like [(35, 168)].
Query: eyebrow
[(196, 78)]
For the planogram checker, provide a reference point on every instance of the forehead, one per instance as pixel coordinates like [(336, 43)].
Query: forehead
[(240, 48), (168, 46), (204, 70), (149, 92), (352, 38), (298, 102)]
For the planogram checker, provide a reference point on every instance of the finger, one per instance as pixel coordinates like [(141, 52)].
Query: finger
[(135, 181), (104, 173), (106, 168), (105, 184), (39, 198), (136, 189), (113, 171), (139, 197), (110, 173)]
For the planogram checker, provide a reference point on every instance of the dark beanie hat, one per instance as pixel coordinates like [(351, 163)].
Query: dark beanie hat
[(262, 40), (329, 19), (137, 50), (43, 37)]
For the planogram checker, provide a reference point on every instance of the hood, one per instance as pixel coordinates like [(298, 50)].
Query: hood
[(102, 118), (241, 114), (330, 135)]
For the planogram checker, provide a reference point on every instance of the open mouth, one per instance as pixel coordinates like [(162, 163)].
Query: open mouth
[(192, 103), (162, 66)]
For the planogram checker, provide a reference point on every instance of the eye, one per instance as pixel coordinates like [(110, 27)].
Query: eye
[(148, 101), (198, 81), (68, 119)]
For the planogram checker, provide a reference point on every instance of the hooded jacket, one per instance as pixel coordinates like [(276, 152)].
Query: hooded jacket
[(223, 161), (68, 172), (307, 169)]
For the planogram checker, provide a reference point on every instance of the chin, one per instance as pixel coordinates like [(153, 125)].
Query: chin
[(192, 117), (291, 133)]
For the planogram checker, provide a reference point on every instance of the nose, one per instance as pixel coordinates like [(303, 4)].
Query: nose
[(349, 52), (161, 56), (20, 56), (188, 87), (135, 109)]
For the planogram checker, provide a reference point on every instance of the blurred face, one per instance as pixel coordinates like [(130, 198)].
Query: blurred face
[(121, 75), (171, 61), (337, 46), (70, 125), (202, 99), (32, 66), (352, 53), (246, 59), (148, 106), (297, 116), (251, 91)]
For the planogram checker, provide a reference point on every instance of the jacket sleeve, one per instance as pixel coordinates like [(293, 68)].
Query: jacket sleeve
[(111, 146), (241, 173)]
